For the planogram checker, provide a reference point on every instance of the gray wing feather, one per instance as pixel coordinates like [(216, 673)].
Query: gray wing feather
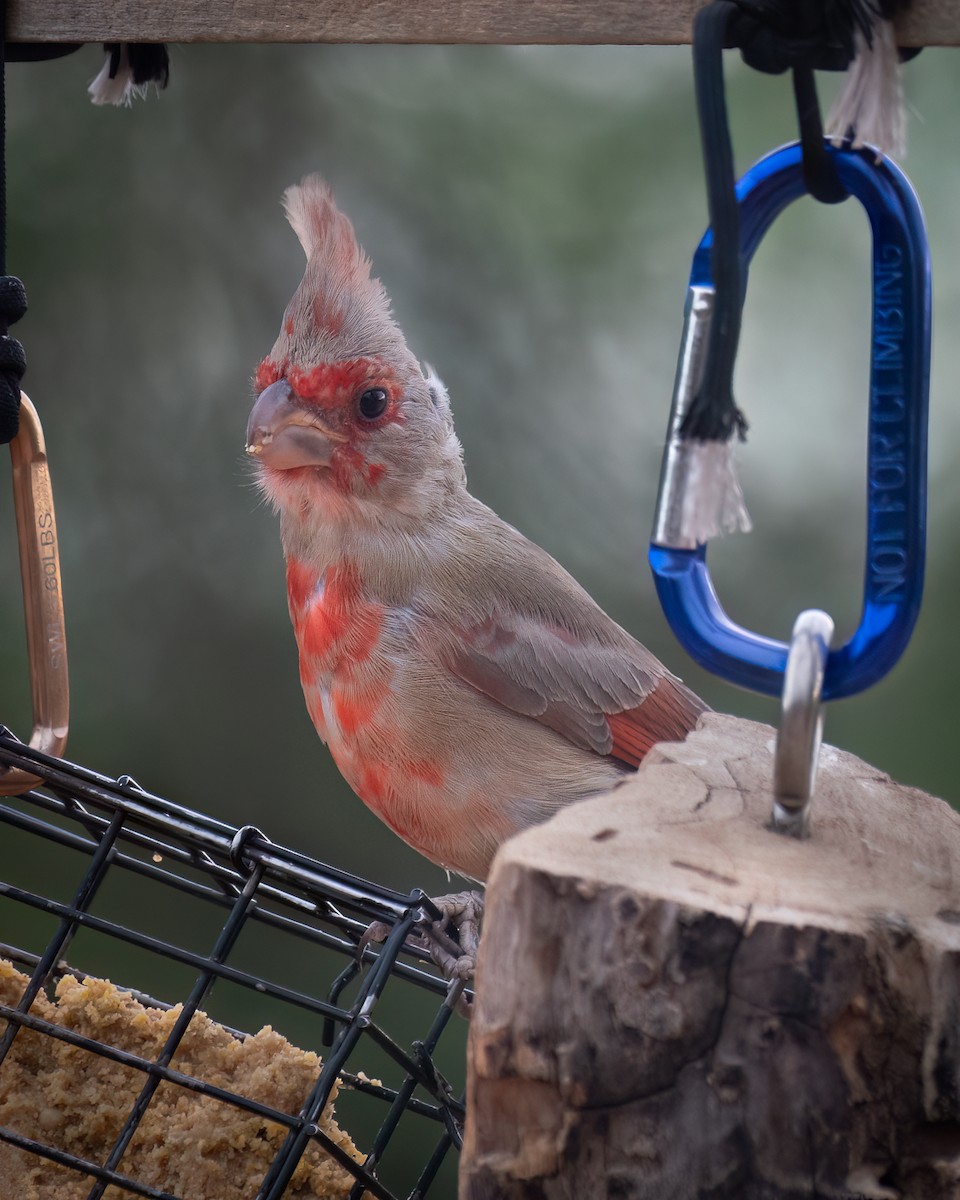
[(568, 685)]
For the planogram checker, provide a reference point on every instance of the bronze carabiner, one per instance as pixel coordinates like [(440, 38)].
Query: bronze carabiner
[(42, 596)]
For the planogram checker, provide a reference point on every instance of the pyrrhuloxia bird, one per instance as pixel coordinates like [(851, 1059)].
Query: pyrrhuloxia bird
[(466, 685)]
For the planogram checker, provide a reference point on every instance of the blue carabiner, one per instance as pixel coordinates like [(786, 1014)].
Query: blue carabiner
[(897, 438)]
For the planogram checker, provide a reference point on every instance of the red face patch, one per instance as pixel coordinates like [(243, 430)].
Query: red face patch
[(334, 384), (347, 463), (268, 372)]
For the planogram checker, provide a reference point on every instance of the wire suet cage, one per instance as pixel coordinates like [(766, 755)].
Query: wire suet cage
[(270, 932)]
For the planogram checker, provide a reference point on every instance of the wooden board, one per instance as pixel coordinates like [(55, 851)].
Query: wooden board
[(659, 22)]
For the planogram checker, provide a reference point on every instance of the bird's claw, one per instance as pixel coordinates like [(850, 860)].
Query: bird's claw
[(376, 931), (454, 956)]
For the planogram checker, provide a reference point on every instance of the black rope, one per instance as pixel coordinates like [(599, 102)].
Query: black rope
[(776, 35), (819, 173), (149, 63), (773, 36), (39, 51), (13, 298), (713, 414)]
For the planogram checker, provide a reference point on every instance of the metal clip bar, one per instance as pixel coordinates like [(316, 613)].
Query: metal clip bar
[(675, 470), (897, 439), (42, 596)]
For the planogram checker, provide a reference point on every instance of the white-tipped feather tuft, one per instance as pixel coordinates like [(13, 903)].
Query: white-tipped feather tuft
[(871, 99), (713, 503), (120, 88)]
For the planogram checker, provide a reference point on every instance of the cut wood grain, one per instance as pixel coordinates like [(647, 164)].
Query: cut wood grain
[(675, 1003), (518, 22)]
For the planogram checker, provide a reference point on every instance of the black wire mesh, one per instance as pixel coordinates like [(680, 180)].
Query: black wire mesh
[(184, 880)]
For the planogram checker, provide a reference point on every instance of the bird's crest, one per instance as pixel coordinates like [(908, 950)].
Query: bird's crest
[(324, 231), (338, 311)]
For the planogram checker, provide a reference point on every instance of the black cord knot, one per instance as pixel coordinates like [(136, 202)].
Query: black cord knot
[(12, 364), (13, 361), (776, 35), (13, 300)]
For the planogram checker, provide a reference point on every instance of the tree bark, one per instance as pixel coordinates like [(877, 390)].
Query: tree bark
[(675, 1002)]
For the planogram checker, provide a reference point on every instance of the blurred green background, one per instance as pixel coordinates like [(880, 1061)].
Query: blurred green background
[(532, 213)]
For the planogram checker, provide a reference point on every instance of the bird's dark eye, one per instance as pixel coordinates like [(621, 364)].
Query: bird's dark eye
[(372, 403)]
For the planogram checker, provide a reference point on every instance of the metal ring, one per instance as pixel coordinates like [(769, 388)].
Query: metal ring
[(243, 838), (801, 722)]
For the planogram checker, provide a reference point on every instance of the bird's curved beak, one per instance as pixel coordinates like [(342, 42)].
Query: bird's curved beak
[(283, 434)]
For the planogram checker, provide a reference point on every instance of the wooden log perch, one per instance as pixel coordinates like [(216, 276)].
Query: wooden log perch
[(675, 1002), (926, 23)]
